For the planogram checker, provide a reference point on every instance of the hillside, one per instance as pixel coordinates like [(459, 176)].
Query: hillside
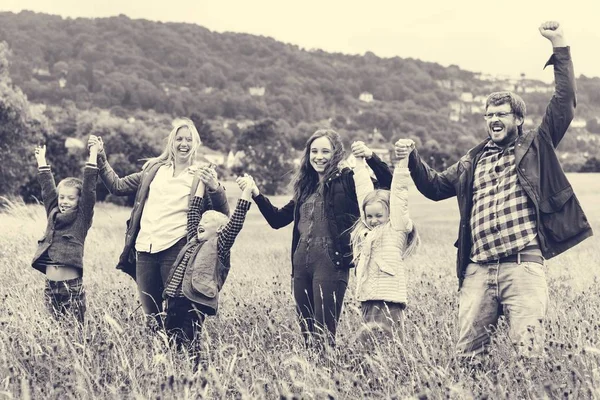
[(127, 65)]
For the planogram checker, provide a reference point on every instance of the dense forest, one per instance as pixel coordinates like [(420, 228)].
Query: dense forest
[(138, 74)]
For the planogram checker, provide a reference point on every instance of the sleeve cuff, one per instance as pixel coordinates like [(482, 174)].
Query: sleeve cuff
[(243, 204), (219, 187), (91, 165), (559, 53), (197, 201), (44, 168)]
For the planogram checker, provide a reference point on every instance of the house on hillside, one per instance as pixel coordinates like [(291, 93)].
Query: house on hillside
[(578, 123), (366, 97), (257, 91), (466, 97)]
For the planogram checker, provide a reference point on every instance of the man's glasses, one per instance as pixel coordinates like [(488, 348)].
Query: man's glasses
[(501, 114)]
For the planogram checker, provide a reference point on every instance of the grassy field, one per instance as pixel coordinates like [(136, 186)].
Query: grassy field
[(253, 348)]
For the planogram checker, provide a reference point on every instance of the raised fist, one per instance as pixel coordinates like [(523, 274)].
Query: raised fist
[(552, 31)]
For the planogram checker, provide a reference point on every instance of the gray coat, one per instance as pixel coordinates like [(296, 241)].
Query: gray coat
[(66, 232)]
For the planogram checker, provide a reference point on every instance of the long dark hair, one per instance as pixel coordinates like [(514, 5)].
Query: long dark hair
[(306, 179)]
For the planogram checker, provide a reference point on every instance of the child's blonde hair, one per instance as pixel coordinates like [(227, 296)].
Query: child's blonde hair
[(219, 217), (360, 229)]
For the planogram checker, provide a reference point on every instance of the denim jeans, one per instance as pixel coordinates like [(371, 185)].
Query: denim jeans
[(519, 291), (152, 272), (66, 298), (319, 290), (184, 321)]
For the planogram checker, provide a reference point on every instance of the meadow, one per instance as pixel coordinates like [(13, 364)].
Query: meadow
[(253, 348)]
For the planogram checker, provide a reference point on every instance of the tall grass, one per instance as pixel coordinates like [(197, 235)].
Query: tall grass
[(253, 348)]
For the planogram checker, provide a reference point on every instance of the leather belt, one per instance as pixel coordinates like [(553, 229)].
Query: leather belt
[(518, 258)]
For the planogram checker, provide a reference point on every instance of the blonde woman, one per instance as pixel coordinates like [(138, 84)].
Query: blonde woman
[(156, 230)]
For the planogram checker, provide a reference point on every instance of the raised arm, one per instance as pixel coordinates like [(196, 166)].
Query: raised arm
[(275, 217), (399, 217), (362, 183), (377, 165), (432, 184), (228, 234), (115, 184), (46, 180), (561, 109), (194, 213), (90, 179), (215, 191)]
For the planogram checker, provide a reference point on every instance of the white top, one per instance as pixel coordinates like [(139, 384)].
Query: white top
[(164, 219)]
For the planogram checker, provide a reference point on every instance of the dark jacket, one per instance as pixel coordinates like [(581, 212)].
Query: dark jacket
[(139, 183), (66, 232), (341, 208), (561, 223)]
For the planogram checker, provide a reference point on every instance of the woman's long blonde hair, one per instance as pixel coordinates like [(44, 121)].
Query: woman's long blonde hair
[(360, 229), (168, 154)]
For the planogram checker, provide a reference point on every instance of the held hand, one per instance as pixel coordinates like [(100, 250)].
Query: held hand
[(209, 177), (255, 191), (94, 140), (360, 149), (403, 148), (40, 155), (247, 182), (552, 31)]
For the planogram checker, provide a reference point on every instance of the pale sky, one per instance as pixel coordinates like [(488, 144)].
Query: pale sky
[(477, 35)]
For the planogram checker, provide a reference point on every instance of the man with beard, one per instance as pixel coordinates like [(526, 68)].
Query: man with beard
[(517, 209)]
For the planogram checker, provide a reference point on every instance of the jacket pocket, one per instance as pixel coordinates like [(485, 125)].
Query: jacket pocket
[(384, 266), (561, 216), (334, 255), (72, 239)]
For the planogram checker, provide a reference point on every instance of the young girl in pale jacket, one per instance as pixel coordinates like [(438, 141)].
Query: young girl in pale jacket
[(382, 239)]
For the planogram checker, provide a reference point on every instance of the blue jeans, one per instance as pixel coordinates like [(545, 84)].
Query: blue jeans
[(152, 272), (519, 291)]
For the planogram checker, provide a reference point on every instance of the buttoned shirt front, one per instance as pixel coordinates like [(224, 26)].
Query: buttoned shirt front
[(503, 219), (164, 217)]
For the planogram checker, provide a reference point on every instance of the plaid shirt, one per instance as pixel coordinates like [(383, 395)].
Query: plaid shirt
[(225, 239), (503, 219)]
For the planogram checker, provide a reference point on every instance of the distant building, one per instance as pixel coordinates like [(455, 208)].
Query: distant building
[(257, 91), (366, 97), (466, 97), (539, 89), (578, 123), (445, 83), (41, 72), (383, 153), (217, 158), (208, 90), (480, 99), (477, 109)]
